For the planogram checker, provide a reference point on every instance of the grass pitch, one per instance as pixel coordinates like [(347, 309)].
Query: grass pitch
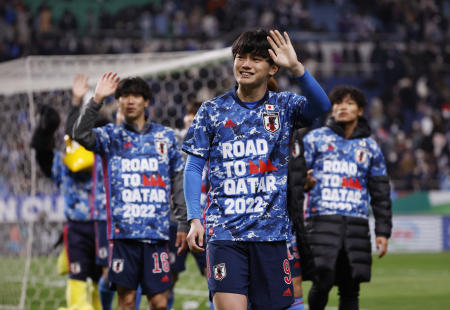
[(399, 281)]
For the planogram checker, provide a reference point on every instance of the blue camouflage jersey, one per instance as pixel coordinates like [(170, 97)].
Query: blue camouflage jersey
[(75, 187), (248, 153), (138, 174), (342, 168), (98, 200)]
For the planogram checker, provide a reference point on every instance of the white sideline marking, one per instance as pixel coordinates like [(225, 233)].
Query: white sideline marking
[(183, 291)]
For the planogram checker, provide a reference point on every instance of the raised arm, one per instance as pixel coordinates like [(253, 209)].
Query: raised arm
[(284, 55), (82, 131)]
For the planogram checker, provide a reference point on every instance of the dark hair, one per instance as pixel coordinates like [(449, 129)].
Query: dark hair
[(272, 84), (339, 92), (253, 42), (192, 107), (133, 86)]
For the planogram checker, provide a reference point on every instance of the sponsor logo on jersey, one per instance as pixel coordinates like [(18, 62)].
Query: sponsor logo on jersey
[(161, 148), (159, 135), (271, 121), (220, 271), (75, 268), (229, 123), (102, 252), (128, 145), (269, 107), (117, 265)]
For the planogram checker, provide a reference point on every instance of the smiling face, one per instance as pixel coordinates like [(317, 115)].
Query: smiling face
[(346, 110), (132, 107), (251, 70)]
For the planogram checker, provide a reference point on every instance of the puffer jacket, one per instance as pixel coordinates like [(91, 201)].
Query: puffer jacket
[(328, 234)]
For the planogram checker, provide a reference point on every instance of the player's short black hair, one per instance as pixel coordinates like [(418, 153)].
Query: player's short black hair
[(253, 42), (339, 92), (192, 107), (133, 86)]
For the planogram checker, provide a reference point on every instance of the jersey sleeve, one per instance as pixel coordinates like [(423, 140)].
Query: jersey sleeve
[(309, 150), (102, 141), (378, 165), (198, 138), (176, 159), (57, 168)]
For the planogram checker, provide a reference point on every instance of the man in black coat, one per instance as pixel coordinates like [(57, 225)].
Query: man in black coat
[(349, 171)]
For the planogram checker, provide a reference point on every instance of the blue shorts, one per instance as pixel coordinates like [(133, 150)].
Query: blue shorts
[(80, 245), (259, 270), (178, 262), (134, 262), (294, 257), (101, 244)]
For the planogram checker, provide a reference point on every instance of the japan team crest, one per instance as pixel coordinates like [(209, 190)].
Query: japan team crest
[(271, 121), (102, 252), (75, 268), (117, 265), (362, 156), (161, 148), (220, 272), (296, 149)]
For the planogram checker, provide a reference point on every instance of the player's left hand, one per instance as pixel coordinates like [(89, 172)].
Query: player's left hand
[(181, 242), (382, 245), (283, 53)]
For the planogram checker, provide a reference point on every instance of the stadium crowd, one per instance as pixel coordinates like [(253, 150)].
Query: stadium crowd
[(406, 74)]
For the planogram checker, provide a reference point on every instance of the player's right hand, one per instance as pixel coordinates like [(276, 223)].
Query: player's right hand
[(106, 86), (310, 181), (195, 236), (79, 88)]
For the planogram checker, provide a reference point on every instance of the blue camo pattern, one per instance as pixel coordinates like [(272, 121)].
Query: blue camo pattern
[(342, 168), (138, 179), (248, 153), (99, 195), (75, 187)]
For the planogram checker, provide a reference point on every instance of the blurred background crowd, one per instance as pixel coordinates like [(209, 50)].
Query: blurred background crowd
[(397, 51)]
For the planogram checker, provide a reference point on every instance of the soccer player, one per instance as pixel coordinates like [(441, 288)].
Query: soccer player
[(244, 134), (144, 166), (76, 185), (349, 168)]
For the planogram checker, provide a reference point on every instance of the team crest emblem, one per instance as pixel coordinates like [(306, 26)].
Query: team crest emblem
[(75, 268), (296, 149), (361, 156), (117, 265), (102, 252), (271, 121), (220, 272), (161, 148)]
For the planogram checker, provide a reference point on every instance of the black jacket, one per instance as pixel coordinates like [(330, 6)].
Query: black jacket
[(328, 234), (295, 198)]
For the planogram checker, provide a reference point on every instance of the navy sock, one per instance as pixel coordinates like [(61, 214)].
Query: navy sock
[(106, 295)]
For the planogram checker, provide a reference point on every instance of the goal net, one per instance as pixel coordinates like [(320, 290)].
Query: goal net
[(31, 211)]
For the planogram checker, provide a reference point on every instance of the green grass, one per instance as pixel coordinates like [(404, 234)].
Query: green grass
[(399, 281)]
